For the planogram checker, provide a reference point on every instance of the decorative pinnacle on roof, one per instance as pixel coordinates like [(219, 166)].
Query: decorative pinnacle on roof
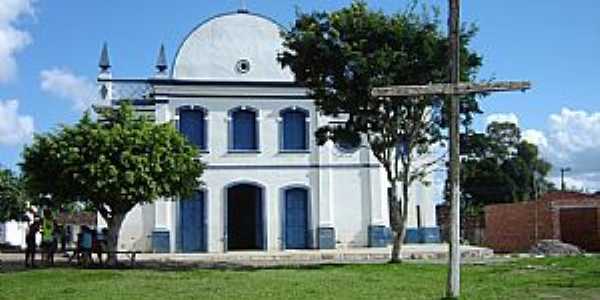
[(104, 63), (161, 61), (243, 8)]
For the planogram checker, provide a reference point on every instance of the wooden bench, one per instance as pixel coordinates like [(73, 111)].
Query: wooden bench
[(130, 254)]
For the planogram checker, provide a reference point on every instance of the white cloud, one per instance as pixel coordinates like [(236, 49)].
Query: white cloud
[(535, 137), (572, 140), (12, 39), (64, 84), (576, 132), (502, 118), (14, 128)]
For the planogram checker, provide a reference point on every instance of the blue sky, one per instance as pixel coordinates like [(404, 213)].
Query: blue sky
[(555, 44)]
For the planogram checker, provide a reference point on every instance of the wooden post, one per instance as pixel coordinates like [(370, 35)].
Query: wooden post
[(453, 286), (454, 89)]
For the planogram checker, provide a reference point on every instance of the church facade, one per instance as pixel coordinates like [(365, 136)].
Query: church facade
[(268, 185)]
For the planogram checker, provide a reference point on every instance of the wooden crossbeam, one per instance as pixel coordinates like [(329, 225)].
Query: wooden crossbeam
[(450, 89)]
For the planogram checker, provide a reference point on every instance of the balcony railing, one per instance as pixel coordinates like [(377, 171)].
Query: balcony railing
[(125, 89)]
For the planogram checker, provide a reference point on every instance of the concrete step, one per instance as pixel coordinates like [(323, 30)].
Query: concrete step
[(350, 255), (427, 252)]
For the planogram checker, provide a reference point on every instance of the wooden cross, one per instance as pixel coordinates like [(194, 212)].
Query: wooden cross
[(449, 89), (453, 89)]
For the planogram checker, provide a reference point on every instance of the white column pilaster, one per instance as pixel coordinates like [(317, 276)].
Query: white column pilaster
[(216, 219), (377, 210), (326, 218), (273, 219)]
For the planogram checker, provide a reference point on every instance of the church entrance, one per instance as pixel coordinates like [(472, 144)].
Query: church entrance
[(296, 218), (245, 218), (192, 231)]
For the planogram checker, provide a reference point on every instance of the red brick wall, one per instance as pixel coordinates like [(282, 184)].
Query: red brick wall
[(512, 227)]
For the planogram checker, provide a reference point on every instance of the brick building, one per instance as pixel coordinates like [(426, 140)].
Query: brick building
[(571, 217)]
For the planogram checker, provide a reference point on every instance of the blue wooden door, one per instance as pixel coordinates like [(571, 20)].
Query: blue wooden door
[(296, 219), (193, 233)]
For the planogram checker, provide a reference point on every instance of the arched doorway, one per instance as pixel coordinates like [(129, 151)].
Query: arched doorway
[(296, 218), (245, 218), (192, 226)]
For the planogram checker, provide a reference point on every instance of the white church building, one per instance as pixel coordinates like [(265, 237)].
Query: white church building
[(268, 186)]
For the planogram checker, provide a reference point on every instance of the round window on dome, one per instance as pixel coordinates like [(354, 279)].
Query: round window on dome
[(242, 66)]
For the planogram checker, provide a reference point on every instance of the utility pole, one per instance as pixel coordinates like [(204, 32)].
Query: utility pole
[(453, 285), (453, 89), (563, 186)]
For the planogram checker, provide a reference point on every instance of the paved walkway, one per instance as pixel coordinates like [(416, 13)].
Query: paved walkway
[(433, 252)]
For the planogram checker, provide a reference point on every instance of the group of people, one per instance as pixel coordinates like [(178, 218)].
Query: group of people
[(51, 233), (88, 241)]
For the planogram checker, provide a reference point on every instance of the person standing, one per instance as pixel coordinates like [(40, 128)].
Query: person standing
[(48, 237), (65, 239), (31, 245), (85, 246), (56, 237)]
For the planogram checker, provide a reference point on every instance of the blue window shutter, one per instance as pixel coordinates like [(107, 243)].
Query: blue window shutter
[(192, 125), (294, 130), (244, 130)]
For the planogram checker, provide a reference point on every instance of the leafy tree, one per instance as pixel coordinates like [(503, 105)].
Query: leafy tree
[(484, 180), (505, 138), (498, 167), (112, 165), (341, 56), (13, 199)]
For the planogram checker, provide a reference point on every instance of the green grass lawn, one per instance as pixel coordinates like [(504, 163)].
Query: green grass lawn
[(552, 278)]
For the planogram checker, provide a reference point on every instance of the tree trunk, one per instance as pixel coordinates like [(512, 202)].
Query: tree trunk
[(399, 236), (402, 214), (399, 214), (396, 223), (114, 227)]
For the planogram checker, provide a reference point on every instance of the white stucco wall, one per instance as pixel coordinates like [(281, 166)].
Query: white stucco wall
[(347, 192), (344, 194), (273, 184), (136, 230), (351, 207), (13, 233)]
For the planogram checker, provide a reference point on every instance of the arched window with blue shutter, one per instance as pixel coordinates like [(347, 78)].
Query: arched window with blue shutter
[(294, 129), (192, 124), (243, 129)]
